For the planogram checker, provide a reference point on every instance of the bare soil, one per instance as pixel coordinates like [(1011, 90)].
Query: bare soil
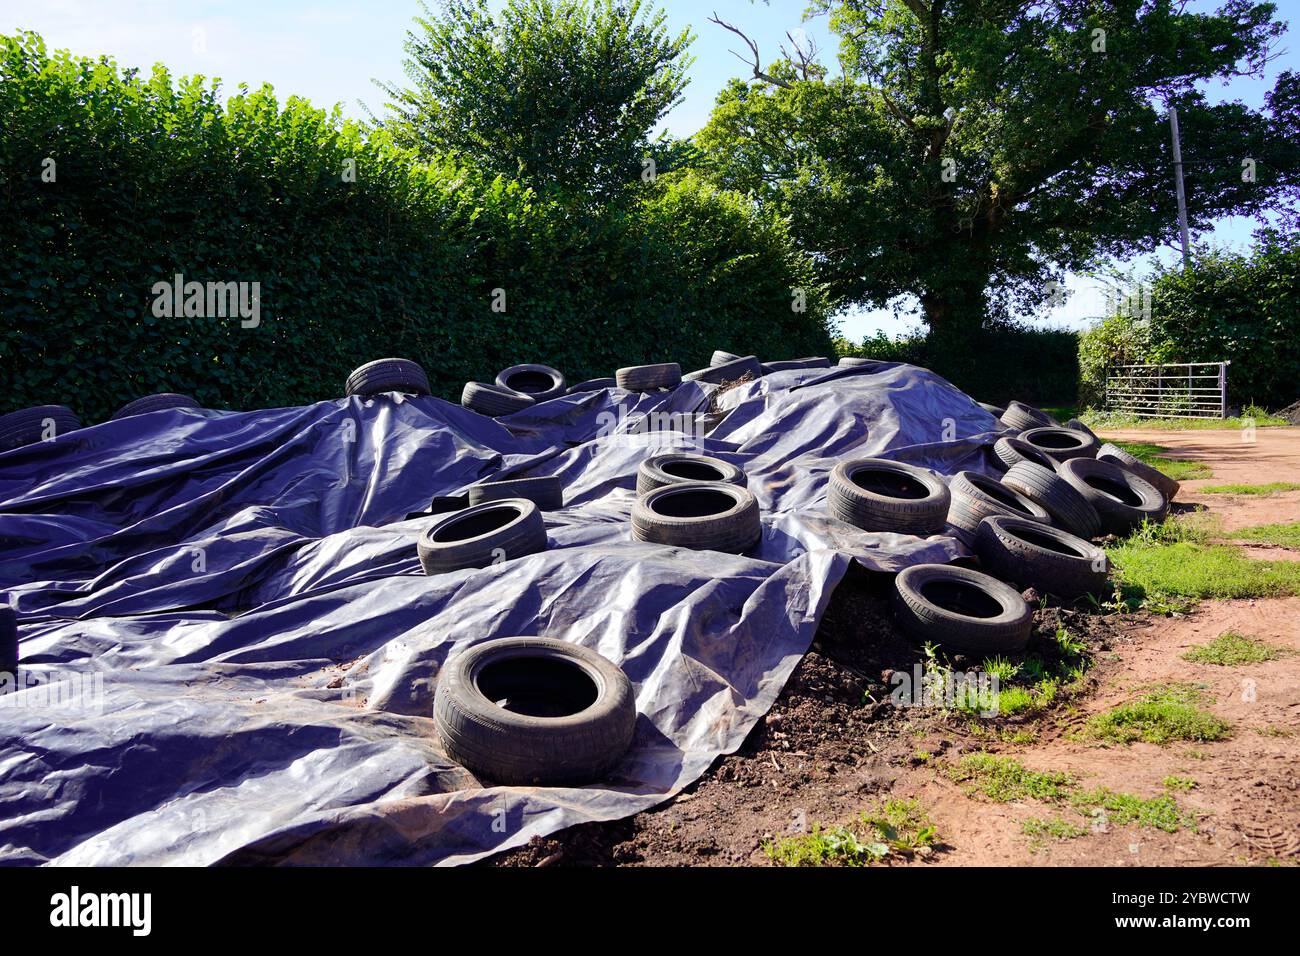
[(833, 745)]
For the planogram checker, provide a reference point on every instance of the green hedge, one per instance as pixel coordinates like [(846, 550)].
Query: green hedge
[(154, 177), (1039, 366), (1242, 308)]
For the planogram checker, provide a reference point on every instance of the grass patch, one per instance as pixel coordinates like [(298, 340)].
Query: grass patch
[(1040, 831), (1026, 683), (1160, 813), (1003, 779), (1175, 468), (902, 826), (898, 827), (1178, 783), (1230, 649), (836, 847), (1269, 488), (1271, 731), (1096, 419), (1282, 535), (1162, 716), (1174, 560)]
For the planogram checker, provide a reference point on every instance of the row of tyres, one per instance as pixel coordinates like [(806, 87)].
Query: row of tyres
[(1059, 488), (514, 389), (521, 386)]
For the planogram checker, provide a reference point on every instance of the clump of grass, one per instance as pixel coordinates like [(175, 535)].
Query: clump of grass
[(1268, 488), (1015, 700), (898, 827), (1178, 783), (1281, 535), (1035, 681), (1001, 668), (839, 846), (1003, 779), (1230, 649), (1271, 731), (1162, 716), (1176, 468), (1160, 813), (902, 825), (1040, 830)]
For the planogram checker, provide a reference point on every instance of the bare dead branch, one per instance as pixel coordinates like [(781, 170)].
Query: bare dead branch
[(756, 63)]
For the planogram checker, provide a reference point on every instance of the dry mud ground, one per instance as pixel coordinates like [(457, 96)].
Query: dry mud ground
[(833, 746)]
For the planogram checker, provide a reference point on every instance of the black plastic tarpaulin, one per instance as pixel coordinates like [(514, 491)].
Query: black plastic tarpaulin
[(229, 650)]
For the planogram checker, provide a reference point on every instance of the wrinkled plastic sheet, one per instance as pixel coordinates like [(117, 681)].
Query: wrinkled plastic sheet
[(229, 650)]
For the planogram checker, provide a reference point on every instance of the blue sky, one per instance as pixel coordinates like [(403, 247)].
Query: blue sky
[(329, 51)]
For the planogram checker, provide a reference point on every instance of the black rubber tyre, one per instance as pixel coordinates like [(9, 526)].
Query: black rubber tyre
[(591, 385), (1118, 456), (1122, 499), (546, 492), (27, 425), (997, 411), (532, 711), (786, 365), (961, 609), (1008, 451), (702, 515), (492, 401), (1068, 508), (1062, 444), (8, 641), (721, 357), (853, 362), (1080, 426), (727, 372), (1022, 417), (541, 382), (1035, 555), (876, 494), (154, 403), (976, 497), (481, 535), (674, 467), (645, 378), (388, 375)]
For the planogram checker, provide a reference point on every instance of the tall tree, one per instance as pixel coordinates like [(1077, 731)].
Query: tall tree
[(973, 150), (563, 94)]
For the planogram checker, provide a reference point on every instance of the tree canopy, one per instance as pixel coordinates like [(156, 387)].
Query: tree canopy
[(563, 94), (972, 150)]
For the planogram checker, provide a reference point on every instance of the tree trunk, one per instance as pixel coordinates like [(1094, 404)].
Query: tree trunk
[(954, 310)]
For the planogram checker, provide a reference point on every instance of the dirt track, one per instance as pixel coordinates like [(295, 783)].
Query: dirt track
[(1272, 455), (829, 750)]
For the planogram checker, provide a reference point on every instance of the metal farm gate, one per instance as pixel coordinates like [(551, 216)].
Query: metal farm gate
[(1186, 390)]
